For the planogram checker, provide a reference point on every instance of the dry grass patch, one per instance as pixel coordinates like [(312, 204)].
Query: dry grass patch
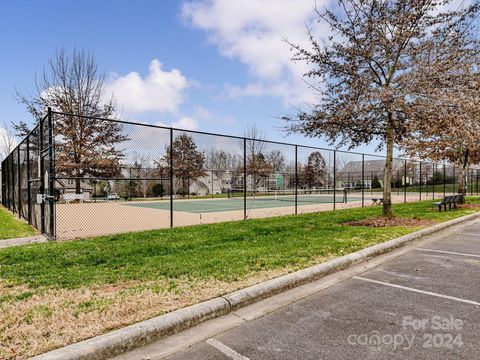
[(33, 323), (468, 206), (55, 294)]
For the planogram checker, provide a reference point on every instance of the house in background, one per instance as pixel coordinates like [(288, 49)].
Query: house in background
[(214, 182), (373, 170), (218, 182), (68, 186)]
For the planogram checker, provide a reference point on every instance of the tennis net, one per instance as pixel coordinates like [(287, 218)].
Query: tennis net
[(303, 195)]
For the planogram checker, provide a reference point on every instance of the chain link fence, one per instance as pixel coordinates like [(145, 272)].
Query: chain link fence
[(75, 176)]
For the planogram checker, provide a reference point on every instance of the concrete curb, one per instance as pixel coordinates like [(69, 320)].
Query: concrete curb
[(130, 337), (136, 335), (268, 288), (6, 243)]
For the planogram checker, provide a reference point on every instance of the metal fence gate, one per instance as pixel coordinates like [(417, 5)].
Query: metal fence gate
[(28, 178)]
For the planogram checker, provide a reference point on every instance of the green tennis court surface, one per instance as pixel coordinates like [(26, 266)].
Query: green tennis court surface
[(236, 203)]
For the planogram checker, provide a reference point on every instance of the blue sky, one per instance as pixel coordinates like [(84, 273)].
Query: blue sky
[(213, 65)]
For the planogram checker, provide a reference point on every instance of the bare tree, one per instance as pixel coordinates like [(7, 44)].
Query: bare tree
[(257, 164), (255, 141), (142, 170), (220, 160), (259, 168), (84, 146), (277, 160), (362, 71), (7, 141)]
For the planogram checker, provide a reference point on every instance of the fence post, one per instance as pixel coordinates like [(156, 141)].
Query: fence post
[(2, 173), (471, 181), (3, 182), (420, 181), (371, 183), (14, 204), (29, 194), (398, 187), (453, 191), (130, 182), (296, 179), (171, 177), (433, 181), (444, 180), (7, 186), (334, 179), (51, 174), (19, 176), (12, 184), (12, 188), (6, 177), (244, 178), (405, 181), (7, 182), (42, 178), (476, 178), (5, 195), (363, 180)]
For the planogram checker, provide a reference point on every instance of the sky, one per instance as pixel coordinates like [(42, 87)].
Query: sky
[(209, 65)]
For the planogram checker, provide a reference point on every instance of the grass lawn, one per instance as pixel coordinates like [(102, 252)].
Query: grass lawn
[(449, 188), (53, 294), (12, 227)]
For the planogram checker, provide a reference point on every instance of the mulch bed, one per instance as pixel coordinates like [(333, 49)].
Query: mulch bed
[(394, 221)]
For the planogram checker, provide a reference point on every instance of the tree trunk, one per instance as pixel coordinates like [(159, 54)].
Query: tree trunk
[(462, 188), (77, 186), (387, 178)]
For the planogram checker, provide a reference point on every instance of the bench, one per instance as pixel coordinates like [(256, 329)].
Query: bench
[(449, 200), (377, 201)]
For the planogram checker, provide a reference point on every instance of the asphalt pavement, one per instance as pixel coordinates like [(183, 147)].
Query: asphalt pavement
[(421, 304)]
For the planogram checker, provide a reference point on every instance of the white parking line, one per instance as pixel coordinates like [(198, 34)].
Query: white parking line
[(448, 252), (471, 234), (232, 354), (418, 291)]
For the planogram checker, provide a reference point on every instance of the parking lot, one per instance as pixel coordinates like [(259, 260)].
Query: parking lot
[(421, 304)]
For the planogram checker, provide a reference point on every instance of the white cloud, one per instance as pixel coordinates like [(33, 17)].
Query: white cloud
[(200, 114), (206, 115), (186, 123), (7, 143), (159, 91), (252, 32)]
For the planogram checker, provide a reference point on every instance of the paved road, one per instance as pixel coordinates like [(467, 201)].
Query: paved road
[(424, 304)]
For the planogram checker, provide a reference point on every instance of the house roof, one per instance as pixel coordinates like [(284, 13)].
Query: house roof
[(371, 166), (65, 184), (353, 169)]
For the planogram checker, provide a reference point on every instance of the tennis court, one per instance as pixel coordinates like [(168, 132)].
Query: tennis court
[(76, 220), (262, 200)]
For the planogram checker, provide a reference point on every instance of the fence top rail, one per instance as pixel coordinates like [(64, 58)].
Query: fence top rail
[(185, 130), (217, 134), (293, 145)]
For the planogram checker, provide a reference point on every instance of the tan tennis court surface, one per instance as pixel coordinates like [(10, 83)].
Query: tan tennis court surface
[(89, 219)]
